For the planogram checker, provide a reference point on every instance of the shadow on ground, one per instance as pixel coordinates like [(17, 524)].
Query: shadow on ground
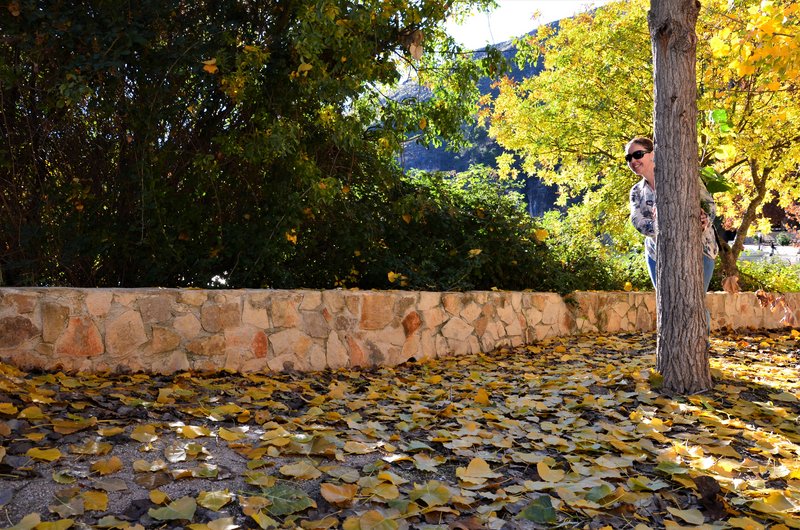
[(563, 433)]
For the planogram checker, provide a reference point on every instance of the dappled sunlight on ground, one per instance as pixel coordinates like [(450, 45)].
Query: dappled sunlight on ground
[(566, 432)]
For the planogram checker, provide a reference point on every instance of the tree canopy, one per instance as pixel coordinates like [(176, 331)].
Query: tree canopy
[(569, 124), (166, 143)]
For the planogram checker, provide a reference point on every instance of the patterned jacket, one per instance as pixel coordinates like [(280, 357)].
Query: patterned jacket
[(643, 208)]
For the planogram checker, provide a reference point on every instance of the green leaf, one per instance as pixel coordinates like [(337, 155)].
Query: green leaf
[(286, 500), (181, 510), (539, 511), (714, 181), (214, 500), (434, 493)]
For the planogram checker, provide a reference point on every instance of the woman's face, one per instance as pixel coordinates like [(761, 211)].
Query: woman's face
[(642, 166)]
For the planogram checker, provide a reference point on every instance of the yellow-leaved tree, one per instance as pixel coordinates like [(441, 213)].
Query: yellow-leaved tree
[(569, 124)]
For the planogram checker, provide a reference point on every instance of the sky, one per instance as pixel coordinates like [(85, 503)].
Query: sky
[(513, 18)]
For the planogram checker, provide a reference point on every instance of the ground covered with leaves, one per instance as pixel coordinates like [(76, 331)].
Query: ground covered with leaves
[(566, 433)]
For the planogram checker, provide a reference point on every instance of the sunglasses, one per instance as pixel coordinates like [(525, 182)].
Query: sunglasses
[(636, 154)]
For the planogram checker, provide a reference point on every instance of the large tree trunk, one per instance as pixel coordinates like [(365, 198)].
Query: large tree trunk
[(681, 351)]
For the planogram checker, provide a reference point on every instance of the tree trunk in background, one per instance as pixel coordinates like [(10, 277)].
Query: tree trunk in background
[(681, 351)]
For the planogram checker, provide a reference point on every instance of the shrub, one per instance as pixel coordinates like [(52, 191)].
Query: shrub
[(431, 231), (783, 239), (591, 263), (774, 275)]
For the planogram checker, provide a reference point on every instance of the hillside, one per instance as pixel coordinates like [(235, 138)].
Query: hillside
[(539, 197)]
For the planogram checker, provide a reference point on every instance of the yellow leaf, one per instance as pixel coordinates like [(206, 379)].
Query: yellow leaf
[(158, 497), (32, 413), (111, 431), (304, 67), (745, 523), (549, 475), (144, 433), (478, 471), (193, 431), (8, 408), (482, 397), (107, 467), (774, 503), (301, 470), (628, 286), (214, 500), (338, 494), (393, 276), (406, 218), (693, 516), (230, 436), (291, 237), (95, 501), (357, 448), (423, 123), (474, 252), (29, 522), (540, 234), (48, 455), (210, 66)]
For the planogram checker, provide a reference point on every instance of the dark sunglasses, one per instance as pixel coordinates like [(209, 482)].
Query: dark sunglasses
[(636, 154)]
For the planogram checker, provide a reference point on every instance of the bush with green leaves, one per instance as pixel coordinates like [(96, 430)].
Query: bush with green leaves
[(772, 275), (165, 143), (591, 263), (431, 231), (783, 239)]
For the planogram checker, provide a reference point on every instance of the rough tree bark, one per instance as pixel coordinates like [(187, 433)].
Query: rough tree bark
[(681, 350)]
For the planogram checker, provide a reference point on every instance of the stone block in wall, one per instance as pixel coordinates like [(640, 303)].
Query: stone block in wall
[(98, 302), (175, 362), (434, 317), (127, 298), (254, 309), (215, 317), (452, 303), (471, 311), (358, 355), (316, 359), (284, 311), (428, 300), (194, 298), (54, 321), (311, 300), (21, 303), (81, 338), (315, 325), (336, 353), (156, 309), (259, 346), (210, 346), (15, 330), (290, 342), (187, 325), (456, 329), (377, 310), (125, 333), (165, 339), (411, 323)]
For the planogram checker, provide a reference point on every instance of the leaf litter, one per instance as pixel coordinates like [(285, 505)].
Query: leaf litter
[(568, 433)]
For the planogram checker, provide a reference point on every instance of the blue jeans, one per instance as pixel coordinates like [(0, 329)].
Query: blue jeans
[(708, 271)]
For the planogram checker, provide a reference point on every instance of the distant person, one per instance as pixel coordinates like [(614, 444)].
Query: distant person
[(758, 238), (641, 160), (771, 248)]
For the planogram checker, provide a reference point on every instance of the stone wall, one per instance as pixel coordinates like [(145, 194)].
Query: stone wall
[(171, 330)]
